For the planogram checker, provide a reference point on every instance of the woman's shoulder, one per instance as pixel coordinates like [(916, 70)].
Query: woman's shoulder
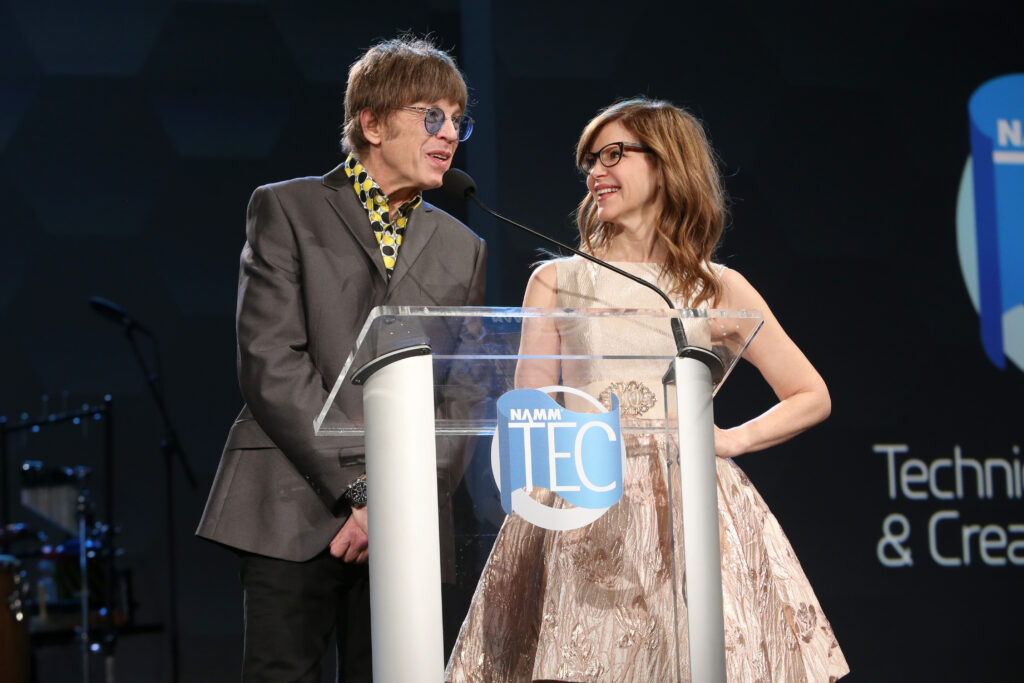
[(552, 267), (728, 276), (542, 288), (737, 292), (554, 275)]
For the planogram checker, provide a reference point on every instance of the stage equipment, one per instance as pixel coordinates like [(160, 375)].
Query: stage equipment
[(14, 652), (53, 492), (58, 495), (170, 448)]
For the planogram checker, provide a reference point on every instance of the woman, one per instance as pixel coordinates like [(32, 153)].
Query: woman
[(604, 609)]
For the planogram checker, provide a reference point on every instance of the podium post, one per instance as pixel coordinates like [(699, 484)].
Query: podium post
[(401, 483), (699, 499)]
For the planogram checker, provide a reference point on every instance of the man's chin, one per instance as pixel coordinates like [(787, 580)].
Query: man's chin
[(434, 182)]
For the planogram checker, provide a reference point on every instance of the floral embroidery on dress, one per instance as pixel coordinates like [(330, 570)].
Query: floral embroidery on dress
[(635, 398)]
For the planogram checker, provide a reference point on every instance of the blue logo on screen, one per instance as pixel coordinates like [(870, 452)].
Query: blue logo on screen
[(990, 217), (578, 456)]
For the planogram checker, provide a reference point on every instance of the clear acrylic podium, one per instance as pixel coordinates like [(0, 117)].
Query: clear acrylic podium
[(421, 387)]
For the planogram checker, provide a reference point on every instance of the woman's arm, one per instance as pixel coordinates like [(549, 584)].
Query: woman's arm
[(540, 335), (803, 397)]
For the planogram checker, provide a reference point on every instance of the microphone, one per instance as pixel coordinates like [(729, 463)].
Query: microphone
[(459, 185), (108, 309)]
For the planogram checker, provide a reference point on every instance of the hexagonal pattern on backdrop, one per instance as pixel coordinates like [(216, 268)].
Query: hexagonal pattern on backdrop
[(112, 38), (221, 80)]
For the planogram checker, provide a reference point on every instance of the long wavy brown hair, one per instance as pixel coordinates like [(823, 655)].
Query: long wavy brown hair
[(693, 203)]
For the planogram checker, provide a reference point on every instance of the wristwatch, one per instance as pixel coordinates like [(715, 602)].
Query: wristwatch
[(355, 494)]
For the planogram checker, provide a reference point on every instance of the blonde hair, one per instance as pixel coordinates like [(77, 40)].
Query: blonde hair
[(395, 73), (693, 211)]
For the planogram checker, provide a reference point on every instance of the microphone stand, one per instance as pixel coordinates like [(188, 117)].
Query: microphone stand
[(170, 448), (459, 184), (682, 346)]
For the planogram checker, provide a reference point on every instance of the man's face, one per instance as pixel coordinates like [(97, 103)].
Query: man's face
[(408, 158)]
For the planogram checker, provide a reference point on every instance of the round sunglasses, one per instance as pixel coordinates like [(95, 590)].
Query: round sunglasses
[(434, 118)]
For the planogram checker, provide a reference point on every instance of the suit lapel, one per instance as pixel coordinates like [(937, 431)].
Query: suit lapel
[(353, 216), (422, 224)]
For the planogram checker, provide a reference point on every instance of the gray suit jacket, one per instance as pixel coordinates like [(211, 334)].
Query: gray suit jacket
[(311, 270)]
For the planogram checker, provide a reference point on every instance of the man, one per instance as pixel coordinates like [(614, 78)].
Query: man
[(319, 254)]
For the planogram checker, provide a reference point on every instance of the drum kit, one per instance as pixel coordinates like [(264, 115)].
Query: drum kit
[(74, 588), (60, 585)]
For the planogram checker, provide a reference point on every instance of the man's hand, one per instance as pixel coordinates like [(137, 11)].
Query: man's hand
[(351, 544)]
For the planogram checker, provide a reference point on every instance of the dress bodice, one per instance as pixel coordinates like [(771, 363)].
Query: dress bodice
[(583, 284)]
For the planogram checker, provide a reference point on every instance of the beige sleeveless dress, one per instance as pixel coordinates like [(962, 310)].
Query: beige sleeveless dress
[(596, 603)]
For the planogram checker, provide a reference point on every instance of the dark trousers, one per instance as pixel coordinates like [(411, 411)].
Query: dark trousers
[(291, 608)]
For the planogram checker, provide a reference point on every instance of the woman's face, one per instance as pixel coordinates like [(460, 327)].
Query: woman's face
[(626, 193)]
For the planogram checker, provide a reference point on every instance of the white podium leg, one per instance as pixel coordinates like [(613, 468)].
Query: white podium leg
[(405, 565), (701, 547)]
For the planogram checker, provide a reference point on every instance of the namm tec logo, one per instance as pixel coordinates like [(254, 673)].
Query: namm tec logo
[(990, 217), (580, 457)]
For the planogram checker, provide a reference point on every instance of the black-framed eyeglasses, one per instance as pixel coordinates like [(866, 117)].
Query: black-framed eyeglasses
[(609, 155), (434, 117)]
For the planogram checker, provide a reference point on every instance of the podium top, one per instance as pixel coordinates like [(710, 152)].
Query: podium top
[(476, 353)]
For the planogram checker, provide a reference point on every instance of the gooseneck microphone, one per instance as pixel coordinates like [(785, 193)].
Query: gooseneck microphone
[(459, 185), (108, 309)]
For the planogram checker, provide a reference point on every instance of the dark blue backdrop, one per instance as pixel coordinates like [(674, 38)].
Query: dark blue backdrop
[(131, 135)]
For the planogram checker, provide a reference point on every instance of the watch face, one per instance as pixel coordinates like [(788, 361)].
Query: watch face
[(356, 494)]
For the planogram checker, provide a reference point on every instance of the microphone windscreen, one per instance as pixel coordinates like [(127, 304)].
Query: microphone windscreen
[(458, 184), (107, 308)]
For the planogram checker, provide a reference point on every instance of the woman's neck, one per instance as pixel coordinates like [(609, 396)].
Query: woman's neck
[(631, 245)]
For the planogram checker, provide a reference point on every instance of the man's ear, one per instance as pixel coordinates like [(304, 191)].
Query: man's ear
[(373, 128)]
